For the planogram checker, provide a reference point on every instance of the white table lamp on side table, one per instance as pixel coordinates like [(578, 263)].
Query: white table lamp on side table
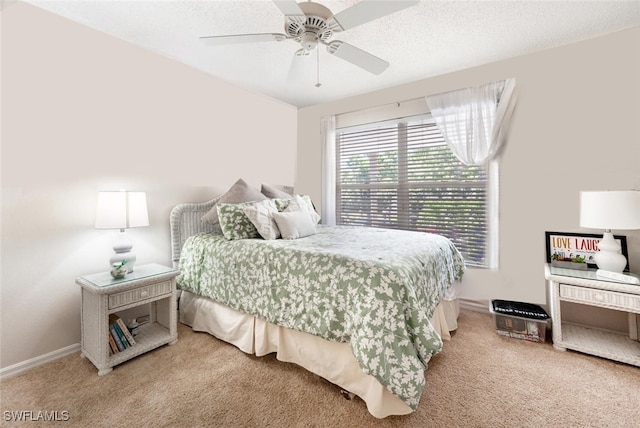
[(122, 210), (610, 210)]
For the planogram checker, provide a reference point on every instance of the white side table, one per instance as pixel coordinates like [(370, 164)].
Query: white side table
[(102, 295), (585, 288)]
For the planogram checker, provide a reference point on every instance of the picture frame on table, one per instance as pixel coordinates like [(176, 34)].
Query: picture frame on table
[(577, 250)]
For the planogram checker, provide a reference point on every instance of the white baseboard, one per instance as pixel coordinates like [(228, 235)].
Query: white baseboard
[(18, 368), (475, 305), (468, 304)]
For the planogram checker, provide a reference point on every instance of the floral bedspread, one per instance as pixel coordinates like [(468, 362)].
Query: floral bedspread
[(373, 288)]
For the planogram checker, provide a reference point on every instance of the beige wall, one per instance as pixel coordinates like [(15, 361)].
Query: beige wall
[(82, 112), (576, 127)]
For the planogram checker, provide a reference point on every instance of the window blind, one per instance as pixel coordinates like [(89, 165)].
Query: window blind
[(403, 176)]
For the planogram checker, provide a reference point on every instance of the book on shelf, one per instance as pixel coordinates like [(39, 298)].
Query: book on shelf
[(120, 333), (114, 335), (123, 338), (126, 332), (112, 344)]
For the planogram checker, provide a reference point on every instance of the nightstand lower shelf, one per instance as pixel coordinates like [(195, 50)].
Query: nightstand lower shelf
[(601, 343), (150, 336)]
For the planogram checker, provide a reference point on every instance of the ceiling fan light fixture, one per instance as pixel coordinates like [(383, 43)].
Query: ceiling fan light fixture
[(309, 40)]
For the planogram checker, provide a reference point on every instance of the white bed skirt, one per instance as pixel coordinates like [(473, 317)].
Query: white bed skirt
[(333, 361)]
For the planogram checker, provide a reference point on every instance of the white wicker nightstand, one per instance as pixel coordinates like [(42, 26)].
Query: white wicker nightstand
[(102, 295), (583, 287)]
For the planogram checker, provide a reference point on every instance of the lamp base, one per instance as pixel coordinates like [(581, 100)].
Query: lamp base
[(610, 256), (123, 247)]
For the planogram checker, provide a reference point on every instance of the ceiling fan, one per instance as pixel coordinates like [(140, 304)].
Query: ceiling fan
[(311, 24)]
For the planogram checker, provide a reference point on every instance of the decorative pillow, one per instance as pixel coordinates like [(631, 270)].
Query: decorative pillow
[(272, 192), (261, 216), (282, 204), (238, 193), (303, 203), (294, 224), (234, 223)]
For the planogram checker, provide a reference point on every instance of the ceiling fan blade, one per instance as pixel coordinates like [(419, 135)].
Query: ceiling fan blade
[(369, 10), (358, 57), (243, 38), (289, 8)]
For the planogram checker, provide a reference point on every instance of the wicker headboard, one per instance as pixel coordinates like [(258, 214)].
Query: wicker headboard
[(185, 221)]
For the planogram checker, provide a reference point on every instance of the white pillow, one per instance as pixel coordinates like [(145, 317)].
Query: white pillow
[(261, 215), (294, 224), (303, 203)]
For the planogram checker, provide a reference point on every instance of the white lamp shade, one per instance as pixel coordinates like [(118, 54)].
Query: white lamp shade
[(121, 210), (610, 209)]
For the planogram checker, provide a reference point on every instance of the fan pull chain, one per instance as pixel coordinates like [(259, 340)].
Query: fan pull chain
[(318, 84)]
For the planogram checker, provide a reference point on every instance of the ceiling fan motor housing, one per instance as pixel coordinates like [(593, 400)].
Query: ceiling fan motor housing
[(312, 28)]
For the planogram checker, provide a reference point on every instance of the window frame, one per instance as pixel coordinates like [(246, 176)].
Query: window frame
[(403, 186)]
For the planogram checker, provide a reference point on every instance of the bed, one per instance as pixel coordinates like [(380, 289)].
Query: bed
[(360, 307)]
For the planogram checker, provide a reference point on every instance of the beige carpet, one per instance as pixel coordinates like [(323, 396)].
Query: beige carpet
[(479, 380)]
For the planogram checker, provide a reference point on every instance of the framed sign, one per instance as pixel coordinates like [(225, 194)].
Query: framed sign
[(578, 247)]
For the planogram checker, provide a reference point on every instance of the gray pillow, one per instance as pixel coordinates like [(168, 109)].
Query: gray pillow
[(272, 192), (238, 193)]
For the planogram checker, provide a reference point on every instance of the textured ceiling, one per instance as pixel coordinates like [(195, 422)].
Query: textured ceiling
[(431, 38)]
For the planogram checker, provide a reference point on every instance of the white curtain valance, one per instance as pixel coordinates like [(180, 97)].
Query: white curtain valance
[(473, 121)]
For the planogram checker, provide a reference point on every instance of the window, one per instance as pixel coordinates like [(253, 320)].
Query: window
[(402, 175)]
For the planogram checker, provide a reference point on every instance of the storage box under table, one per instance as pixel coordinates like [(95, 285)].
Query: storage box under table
[(520, 320)]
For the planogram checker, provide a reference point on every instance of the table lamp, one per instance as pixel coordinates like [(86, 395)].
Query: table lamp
[(610, 210), (122, 210)]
